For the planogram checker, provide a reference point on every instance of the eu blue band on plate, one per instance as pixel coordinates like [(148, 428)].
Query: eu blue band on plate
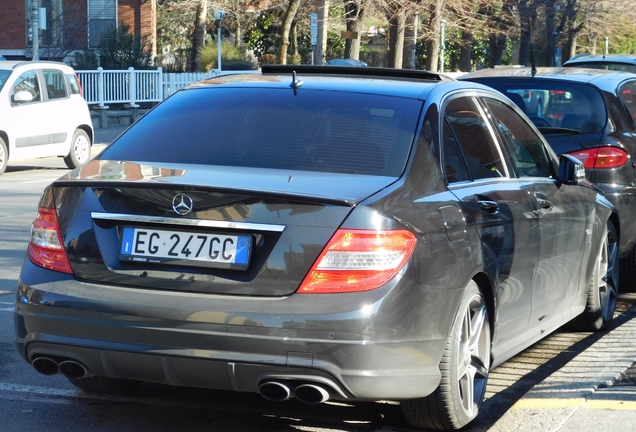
[(128, 237), (242, 249)]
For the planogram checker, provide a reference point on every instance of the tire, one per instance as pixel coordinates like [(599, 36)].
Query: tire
[(97, 384), (4, 156), (464, 367), (628, 272), (602, 290), (80, 152)]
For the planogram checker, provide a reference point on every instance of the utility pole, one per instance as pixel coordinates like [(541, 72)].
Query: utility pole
[(35, 25)]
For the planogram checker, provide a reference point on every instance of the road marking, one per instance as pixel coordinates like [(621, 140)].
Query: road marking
[(617, 405), (6, 309)]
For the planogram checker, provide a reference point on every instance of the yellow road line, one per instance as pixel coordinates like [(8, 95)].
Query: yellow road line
[(575, 402)]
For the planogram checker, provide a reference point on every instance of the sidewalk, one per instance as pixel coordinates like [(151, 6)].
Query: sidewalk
[(596, 391)]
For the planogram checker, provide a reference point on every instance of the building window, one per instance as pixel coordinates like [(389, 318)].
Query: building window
[(102, 16)]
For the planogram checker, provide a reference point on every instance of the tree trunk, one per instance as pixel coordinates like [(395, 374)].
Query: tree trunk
[(433, 45), (320, 55), (410, 41), (198, 37), (398, 44), (497, 45), (466, 52), (353, 16), (290, 14), (550, 30)]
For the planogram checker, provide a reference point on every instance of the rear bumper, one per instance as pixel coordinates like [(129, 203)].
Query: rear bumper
[(363, 347)]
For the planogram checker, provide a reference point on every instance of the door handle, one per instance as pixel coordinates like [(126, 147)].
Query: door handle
[(490, 206)]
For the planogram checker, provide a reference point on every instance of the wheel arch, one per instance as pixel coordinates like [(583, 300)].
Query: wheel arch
[(89, 132), (487, 289), (5, 137)]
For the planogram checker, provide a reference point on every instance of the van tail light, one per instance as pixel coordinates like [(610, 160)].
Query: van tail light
[(359, 260), (79, 85), (46, 248), (602, 157)]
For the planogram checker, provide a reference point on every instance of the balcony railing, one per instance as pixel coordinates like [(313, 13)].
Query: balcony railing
[(131, 87)]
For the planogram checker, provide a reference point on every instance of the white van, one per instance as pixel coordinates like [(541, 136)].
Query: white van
[(43, 114)]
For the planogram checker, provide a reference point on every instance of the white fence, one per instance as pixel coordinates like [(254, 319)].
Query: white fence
[(101, 87)]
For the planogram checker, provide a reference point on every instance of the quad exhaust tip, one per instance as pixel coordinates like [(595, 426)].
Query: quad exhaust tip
[(45, 365), (73, 369), (311, 394), (275, 391), (70, 368), (308, 393)]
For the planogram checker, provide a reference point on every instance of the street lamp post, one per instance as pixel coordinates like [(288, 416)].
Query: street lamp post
[(218, 16)]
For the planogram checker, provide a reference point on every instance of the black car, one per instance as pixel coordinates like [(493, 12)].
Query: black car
[(589, 114), (317, 233), (618, 62)]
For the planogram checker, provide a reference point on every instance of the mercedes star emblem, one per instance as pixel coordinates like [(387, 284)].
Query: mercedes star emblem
[(182, 204)]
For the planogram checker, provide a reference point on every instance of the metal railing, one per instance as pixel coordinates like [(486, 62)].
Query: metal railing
[(130, 87)]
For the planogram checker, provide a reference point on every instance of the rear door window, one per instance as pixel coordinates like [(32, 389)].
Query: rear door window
[(55, 84), (314, 130), (467, 127)]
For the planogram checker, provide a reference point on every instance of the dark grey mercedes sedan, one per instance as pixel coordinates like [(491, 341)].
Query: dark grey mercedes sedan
[(317, 233)]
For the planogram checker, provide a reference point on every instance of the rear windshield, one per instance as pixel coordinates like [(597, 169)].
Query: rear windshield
[(623, 67), (272, 128), (556, 104)]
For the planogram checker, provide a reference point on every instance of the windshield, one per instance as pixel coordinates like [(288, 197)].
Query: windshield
[(4, 74), (556, 104), (273, 128)]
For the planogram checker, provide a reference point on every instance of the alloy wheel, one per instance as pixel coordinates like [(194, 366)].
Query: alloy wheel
[(473, 360)]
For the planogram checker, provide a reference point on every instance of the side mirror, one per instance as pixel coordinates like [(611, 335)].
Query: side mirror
[(22, 96), (571, 170)]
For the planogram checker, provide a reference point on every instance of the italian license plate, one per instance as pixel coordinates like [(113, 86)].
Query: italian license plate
[(185, 248)]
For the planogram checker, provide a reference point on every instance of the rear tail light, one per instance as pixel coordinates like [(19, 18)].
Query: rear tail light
[(79, 85), (46, 248), (602, 157), (359, 260)]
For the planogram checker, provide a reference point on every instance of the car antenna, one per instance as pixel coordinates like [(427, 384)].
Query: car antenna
[(296, 83), (533, 71)]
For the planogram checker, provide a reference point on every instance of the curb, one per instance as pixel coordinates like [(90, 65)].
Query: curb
[(549, 404)]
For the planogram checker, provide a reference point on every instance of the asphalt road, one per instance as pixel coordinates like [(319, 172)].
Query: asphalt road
[(567, 382)]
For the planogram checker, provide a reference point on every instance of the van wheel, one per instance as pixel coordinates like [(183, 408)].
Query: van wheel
[(603, 287), (4, 156), (464, 367), (80, 152)]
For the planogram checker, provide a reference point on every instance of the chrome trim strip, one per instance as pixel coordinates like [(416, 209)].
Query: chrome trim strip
[(187, 222)]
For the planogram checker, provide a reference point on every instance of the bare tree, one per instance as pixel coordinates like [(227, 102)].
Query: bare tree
[(321, 37), (290, 14)]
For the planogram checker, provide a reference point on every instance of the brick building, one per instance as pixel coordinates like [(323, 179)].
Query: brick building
[(71, 25)]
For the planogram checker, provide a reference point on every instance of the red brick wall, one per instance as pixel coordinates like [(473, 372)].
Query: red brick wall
[(75, 22), (141, 16), (12, 24)]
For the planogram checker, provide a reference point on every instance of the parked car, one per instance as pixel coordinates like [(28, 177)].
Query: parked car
[(319, 233), (618, 62), (42, 114), (589, 114)]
